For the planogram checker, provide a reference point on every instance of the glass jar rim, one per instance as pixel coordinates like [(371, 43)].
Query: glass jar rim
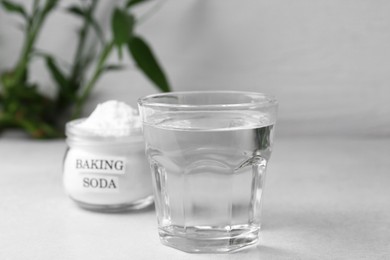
[(263, 100)]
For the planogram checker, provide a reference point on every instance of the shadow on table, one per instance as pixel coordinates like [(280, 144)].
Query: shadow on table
[(266, 252), (147, 209)]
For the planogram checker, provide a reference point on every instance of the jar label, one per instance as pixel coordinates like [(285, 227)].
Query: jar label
[(94, 172), (102, 165), (100, 183)]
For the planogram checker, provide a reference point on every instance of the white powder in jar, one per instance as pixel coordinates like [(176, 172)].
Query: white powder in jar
[(112, 118)]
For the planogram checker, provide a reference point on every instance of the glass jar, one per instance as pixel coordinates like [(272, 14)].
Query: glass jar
[(106, 173)]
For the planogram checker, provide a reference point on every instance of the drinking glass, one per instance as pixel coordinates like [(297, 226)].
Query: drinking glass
[(208, 152)]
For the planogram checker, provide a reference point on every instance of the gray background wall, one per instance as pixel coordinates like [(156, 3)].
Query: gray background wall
[(328, 62)]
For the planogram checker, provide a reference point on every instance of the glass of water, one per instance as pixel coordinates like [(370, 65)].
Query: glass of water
[(208, 152)]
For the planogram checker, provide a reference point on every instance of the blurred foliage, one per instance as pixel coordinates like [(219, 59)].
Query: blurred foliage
[(23, 106)]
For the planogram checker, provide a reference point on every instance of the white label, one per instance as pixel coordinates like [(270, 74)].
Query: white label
[(96, 183), (101, 165)]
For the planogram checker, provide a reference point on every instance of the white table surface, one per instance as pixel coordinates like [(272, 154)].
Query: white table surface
[(325, 198)]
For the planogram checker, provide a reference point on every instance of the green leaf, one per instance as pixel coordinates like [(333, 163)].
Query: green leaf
[(113, 67), (57, 74), (76, 10), (96, 27), (49, 5), (13, 7), (131, 3), (146, 61), (122, 27)]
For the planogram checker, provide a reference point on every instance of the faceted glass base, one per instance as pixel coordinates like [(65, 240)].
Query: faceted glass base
[(135, 205), (207, 240)]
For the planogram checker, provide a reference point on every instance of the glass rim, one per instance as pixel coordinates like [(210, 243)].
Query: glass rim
[(269, 100)]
